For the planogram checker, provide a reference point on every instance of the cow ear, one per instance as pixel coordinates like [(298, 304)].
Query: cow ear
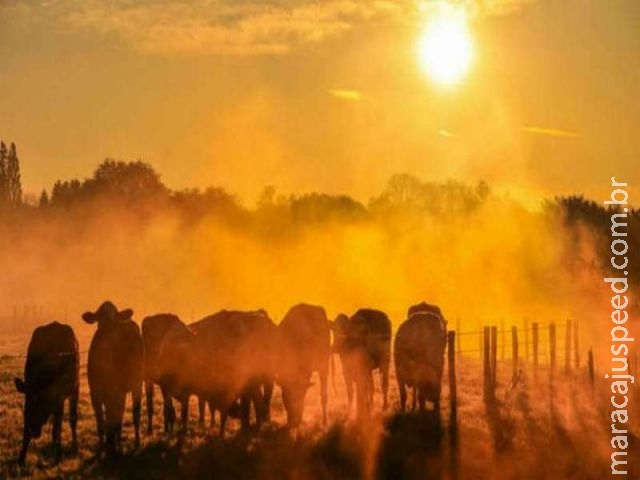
[(20, 385), (126, 314), (89, 317)]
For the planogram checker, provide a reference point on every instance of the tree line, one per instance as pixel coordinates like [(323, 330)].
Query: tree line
[(137, 187)]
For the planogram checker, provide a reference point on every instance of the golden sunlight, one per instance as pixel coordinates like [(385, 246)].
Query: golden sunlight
[(445, 48)]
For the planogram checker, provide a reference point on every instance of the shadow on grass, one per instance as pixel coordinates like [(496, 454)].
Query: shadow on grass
[(402, 446), (412, 448)]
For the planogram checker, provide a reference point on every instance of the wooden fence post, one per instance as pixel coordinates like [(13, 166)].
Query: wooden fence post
[(534, 335), (503, 339), (494, 355), (453, 389), (552, 348), (459, 337), (486, 355), (481, 342), (576, 346), (526, 339), (514, 348), (567, 347), (592, 376)]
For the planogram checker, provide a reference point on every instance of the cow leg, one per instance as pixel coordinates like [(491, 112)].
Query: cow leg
[(384, 373), (403, 394), (414, 398), (114, 414), (258, 400), (136, 398), (422, 400), (350, 392), (324, 378), (169, 412), (184, 413), (268, 393), (57, 429), (348, 380), (26, 439), (73, 418), (245, 409), (98, 408), (148, 390), (201, 410), (223, 419)]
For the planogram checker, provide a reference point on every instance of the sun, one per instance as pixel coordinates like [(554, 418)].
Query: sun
[(445, 48)]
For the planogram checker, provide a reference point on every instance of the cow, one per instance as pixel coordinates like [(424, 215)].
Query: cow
[(363, 342), (154, 330), (237, 348), (185, 367), (50, 378), (419, 355), (114, 368), (304, 347)]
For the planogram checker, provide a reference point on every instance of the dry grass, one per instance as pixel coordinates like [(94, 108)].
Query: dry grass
[(530, 432)]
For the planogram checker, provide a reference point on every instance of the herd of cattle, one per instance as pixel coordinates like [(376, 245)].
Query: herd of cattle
[(230, 361)]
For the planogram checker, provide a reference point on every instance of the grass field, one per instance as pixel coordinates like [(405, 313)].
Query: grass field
[(531, 431)]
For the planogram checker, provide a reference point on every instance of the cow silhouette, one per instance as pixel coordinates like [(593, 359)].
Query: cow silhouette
[(50, 378), (156, 329), (419, 355), (363, 342), (114, 368), (304, 346), (231, 364)]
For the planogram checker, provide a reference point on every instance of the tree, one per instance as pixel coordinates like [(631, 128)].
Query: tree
[(132, 180), (14, 182), (44, 199)]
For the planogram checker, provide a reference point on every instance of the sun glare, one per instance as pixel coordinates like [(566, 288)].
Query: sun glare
[(445, 47)]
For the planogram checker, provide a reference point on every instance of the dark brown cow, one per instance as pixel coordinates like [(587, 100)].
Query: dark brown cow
[(419, 355), (154, 330), (114, 368), (304, 347), (185, 367), (364, 344), (50, 378), (236, 351)]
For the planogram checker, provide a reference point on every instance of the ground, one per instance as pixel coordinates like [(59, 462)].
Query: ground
[(535, 429)]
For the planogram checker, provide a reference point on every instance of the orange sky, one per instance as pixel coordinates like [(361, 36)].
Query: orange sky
[(322, 95)]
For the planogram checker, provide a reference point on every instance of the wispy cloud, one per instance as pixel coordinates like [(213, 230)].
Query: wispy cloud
[(239, 27), (552, 132), (477, 8), (349, 95), (247, 27)]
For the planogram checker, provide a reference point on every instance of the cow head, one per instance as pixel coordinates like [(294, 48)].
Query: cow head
[(107, 314), (37, 408)]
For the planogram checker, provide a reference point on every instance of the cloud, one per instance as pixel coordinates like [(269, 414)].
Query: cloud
[(242, 27), (349, 95), (230, 27), (477, 8), (552, 132)]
